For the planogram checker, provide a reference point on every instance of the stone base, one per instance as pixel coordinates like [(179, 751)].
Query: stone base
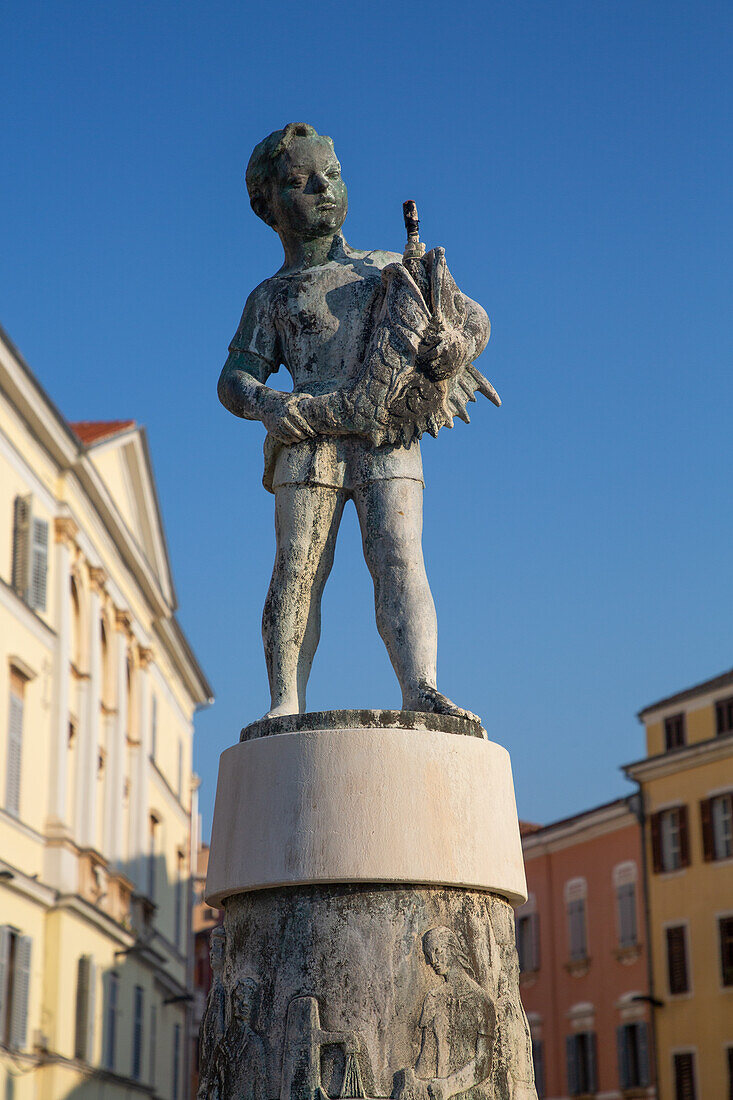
[(346, 998), (369, 803)]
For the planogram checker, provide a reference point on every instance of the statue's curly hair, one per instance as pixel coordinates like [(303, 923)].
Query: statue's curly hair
[(263, 161)]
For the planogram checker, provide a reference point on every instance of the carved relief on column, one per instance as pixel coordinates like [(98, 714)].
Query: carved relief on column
[(65, 532)]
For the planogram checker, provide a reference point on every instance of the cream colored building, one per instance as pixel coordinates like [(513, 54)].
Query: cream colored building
[(98, 690)]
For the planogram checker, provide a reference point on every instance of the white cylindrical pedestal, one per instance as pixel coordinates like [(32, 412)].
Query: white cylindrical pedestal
[(365, 805)]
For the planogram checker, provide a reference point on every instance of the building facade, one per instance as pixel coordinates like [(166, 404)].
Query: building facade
[(582, 950), (205, 919), (686, 783), (98, 689)]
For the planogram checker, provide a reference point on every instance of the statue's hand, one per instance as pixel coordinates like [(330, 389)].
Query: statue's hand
[(283, 418), (442, 353)]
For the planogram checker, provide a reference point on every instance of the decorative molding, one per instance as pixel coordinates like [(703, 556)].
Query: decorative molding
[(146, 655), (65, 530), (123, 622), (23, 669), (97, 579)]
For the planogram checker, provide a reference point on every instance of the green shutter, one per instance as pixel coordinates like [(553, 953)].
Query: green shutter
[(39, 565), (14, 754), (21, 547), (21, 989), (571, 1062)]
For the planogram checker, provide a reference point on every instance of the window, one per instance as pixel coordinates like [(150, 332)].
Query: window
[(538, 1061), (674, 732), (153, 1041), (580, 1053), (15, 742), (716, 815), (528, 942), (677, 959), (670, 839), (30, 554), (684, 1076), (110, 1020), (86, 983), (176, 1060), (624, 880), (15, 975), (724, 715), (576, 929), (729, 1056), (152, 855), (137, 1032), (632, 1044), (725, 932)]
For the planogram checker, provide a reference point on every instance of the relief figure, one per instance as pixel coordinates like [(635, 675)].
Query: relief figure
[(457, 1026), (240, 1056)]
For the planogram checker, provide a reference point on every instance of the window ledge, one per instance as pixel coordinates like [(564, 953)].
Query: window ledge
[(578, 968), (629, 954)]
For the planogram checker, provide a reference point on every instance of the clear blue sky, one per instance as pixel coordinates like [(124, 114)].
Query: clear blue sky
[(575, 160)]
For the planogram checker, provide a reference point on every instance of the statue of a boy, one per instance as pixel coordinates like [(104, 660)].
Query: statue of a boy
[(379, 351)]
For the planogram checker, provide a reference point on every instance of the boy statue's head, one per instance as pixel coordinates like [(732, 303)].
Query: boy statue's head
[(294, 183)]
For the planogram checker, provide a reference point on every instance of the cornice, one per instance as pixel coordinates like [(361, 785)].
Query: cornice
[(578, 830), (689, 756)]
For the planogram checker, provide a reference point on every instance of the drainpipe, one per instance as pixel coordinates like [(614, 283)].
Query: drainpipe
[(636, 804)]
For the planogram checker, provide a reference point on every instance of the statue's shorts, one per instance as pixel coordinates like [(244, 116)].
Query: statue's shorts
[(344, 462)]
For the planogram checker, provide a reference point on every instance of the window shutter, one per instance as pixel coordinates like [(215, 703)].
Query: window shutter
[(642, 1049), (725, 929), (21, 548), (677, 959), (39, 565), (571, 1064), (21, 988), (706, 820), (684, 837), (86, 982), (592, 1062), (622, 1055), (15, 751), (534, 924), (4, 956), (655, 822), (92, 1009)]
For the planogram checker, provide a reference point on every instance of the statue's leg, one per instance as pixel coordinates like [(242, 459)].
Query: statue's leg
[(307, 519), (390, 516)]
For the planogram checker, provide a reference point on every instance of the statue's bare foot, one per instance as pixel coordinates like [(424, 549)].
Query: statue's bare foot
[(428, 699), (282, 710)]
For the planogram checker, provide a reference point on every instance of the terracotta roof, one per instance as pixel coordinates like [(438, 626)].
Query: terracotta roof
[(92, 431), (527, 827), (724, 680)]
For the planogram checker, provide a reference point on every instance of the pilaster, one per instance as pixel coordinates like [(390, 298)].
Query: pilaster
[(86, 787), (65, 532), (139, 804)]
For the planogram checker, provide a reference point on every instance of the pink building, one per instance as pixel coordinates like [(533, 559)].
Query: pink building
[(581, 938)]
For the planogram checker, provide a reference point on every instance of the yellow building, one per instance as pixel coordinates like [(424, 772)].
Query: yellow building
[(686, 782), (98, 689)]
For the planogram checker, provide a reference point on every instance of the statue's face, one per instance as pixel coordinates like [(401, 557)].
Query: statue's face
[(438, 954), (308, 196), (243, 1002)]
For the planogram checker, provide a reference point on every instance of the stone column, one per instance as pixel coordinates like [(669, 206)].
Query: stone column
[(86, 787), (140, 775), (367, 863), (65, 531), (118, 746)]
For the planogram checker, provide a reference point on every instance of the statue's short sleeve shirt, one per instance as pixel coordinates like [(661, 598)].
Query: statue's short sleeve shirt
[(317, 323)]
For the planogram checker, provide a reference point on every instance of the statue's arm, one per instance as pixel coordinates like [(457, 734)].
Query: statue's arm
[(242, 390)]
